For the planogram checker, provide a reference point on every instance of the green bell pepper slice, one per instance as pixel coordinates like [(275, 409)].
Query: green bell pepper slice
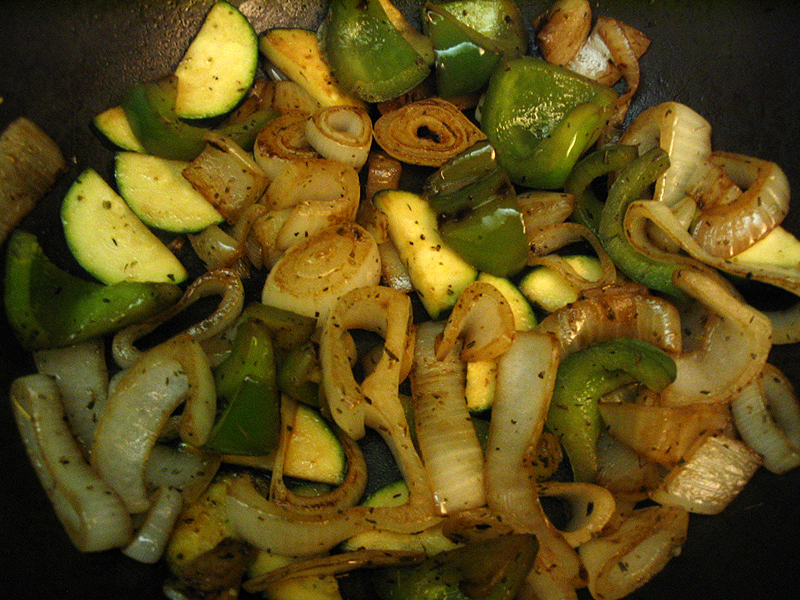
[(287, 329), (493, 570), (584, 377), (630, 185), (541, 118), (373, 52), (48, 307), (478, 213), (609, 159), (299, 374), (247, 392), (498, 20), (465, 59)]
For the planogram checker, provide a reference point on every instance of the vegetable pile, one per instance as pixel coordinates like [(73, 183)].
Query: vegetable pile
[(450, 240)]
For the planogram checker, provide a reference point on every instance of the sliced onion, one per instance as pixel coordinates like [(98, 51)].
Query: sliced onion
[(281, 141), (226, 176), (311, 277), (683, 134), (184, 468), (624, 560), (81, 375), (733, 351), (525, 379), (591, 507), (727, 228), (290, 96), (596, 60), (344, 495), (30, 163), (483, 317), (714, 473), (166, 377), (427, 132), (623, 310), (216, 248), (341, 133), (320, 193), (92, 514), (767, 416), (152, 535), (664, 434), (543, 208), (627, 474), (222, 282), (445, 435), (563, 29), (375, 402)]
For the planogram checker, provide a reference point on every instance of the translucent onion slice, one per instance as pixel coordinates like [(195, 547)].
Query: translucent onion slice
[(81, 375), (525, 379), (172, 374), (313, 274), (542, 208), (153, 534), (216, 248), (734, 348), (92, 514), (318, 193), (767, 416), (622, 310), (445, 435), (627, 474), (714, 473), (624, 560), (427, 132), (727, 228), (483, 317), (683, 134), (563, 29), (225, 283), (282, 140), (183, 468), (226, 176), (591, 507), (341, 133), (30, 163)]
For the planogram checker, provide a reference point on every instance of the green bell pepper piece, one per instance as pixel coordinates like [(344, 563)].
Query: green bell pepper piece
[(603, 161), (478, 213), (249, 419), (586, 375), (541, 118), (630, 185), (48, 307), (493, 570), (465, 59), (498, 20), (299, 374), (286, 328), (374, 54)]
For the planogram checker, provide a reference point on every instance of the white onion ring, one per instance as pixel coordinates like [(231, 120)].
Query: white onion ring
[(152, 535), (92, 514), (341, 133), (591, 508)]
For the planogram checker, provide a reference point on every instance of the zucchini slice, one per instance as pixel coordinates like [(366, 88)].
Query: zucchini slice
[(109, 240), (156, 190), (113, 125), (219, 66), (314, 452)]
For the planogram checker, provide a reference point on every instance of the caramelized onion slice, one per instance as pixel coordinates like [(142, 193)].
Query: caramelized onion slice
[(427, 132), (341, 133), (282, 140)]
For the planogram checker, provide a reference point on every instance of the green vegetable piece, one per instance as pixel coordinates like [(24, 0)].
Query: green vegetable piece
[(586, 375), (630, 185), (373, 52), (595, 164), (498, 20), (286, 328), (48, 307), (249, 422), (492, 570), (299, 374), (541, 118), (465, 59), (478, 213)]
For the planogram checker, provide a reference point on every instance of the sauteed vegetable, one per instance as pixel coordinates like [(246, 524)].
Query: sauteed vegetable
[(243, 466)]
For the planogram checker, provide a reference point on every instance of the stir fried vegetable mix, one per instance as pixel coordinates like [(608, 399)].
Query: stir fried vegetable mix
[(545, 313)]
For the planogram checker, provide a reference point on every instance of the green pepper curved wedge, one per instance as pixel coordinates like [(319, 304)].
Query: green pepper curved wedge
[(586, 375), (603, 161), (373, 52), (541, 118), (48, 307), (630, 185)]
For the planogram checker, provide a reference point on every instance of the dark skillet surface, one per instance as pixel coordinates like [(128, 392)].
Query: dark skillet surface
[(62, 62)]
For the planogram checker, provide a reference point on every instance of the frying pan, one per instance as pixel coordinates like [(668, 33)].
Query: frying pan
[(62, 62)]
